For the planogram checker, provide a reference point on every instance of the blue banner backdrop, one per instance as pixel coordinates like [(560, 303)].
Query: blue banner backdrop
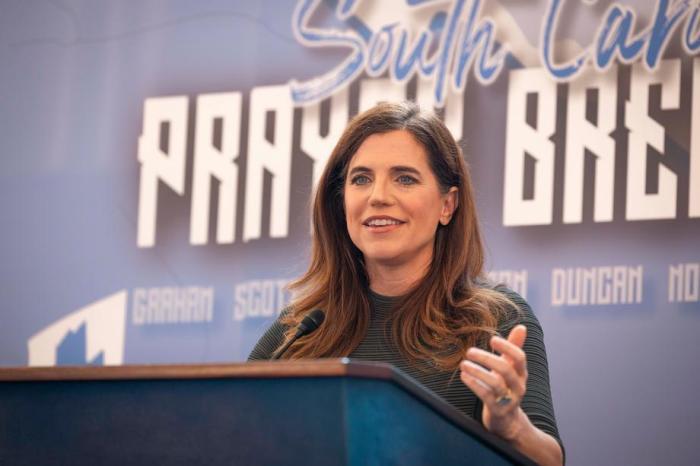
[(158, 159)]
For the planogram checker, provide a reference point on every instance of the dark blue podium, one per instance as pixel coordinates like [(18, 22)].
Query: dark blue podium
[(315, 412)]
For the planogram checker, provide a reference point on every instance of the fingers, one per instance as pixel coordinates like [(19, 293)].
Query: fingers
[(492, 376), (517, 335), (500, 365), (483, 391), (499, 380), (493, 381), (511, 351)]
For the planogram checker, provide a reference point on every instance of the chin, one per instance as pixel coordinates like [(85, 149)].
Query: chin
[(386, 257)]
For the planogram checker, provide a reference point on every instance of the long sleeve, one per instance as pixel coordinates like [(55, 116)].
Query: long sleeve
[(537, 402)]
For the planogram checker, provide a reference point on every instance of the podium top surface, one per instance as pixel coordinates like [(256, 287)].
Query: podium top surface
[(259, 369)]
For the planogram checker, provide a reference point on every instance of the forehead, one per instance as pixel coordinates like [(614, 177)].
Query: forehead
[(393, 148)]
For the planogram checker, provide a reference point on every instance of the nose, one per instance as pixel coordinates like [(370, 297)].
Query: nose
[(381, 193)]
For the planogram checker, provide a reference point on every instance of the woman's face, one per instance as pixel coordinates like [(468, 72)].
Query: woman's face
[(393, 202)]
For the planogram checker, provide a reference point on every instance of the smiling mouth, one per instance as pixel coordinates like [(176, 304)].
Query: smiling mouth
[(382, 223)]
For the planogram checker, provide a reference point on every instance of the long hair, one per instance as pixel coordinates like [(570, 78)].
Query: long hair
[(448, 310)]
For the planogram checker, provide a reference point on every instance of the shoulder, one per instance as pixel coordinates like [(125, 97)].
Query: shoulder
[(271, 339), (518, 312)]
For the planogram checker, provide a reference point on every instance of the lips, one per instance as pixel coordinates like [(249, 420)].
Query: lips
[(381, 222)]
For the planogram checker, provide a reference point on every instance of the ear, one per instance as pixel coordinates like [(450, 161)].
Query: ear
[(449, 205)]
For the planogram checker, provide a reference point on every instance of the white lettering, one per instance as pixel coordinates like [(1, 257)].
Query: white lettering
[(684, 283), (315, 145), (454, 105), (558, 287), (259, 298), (581, 135), (646, 131), (516, 280), (597, 285), (172, 305), (210, 161), (158, 164), (694, 189), (521, 140), (274, 156)]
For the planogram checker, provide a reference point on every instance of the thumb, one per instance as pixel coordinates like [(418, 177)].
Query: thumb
[(517, 335)]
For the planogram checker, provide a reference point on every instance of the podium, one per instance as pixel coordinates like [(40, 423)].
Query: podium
[(314, 412)]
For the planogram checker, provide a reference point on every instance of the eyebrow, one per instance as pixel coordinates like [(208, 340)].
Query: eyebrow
[(395, 169)]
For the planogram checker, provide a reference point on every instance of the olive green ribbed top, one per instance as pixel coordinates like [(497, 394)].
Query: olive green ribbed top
[(378, 346)]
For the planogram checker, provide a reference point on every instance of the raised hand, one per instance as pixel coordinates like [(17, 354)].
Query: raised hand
[(499, 380)]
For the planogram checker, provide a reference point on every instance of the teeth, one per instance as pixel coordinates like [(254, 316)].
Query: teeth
[(380, 222)]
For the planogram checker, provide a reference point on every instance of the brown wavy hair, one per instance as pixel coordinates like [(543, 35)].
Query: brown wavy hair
[(447, 311)]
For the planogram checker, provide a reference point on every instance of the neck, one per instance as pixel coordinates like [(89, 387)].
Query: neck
[(396, 278)]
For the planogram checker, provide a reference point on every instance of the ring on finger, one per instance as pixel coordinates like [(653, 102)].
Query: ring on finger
[(504, 399)]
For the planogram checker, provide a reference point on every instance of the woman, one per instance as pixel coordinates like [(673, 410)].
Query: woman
[(397, 266)]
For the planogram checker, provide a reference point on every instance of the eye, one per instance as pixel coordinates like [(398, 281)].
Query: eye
[(406, 180), (360, 180)]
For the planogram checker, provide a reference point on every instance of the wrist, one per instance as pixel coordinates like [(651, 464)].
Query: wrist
[(525, 437), (520, 430)]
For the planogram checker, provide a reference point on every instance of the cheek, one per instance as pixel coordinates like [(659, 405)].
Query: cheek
[(428, 211), (353, 221), (352, 208)]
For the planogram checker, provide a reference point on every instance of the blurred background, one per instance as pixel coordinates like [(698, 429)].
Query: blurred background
[(158, 159)]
